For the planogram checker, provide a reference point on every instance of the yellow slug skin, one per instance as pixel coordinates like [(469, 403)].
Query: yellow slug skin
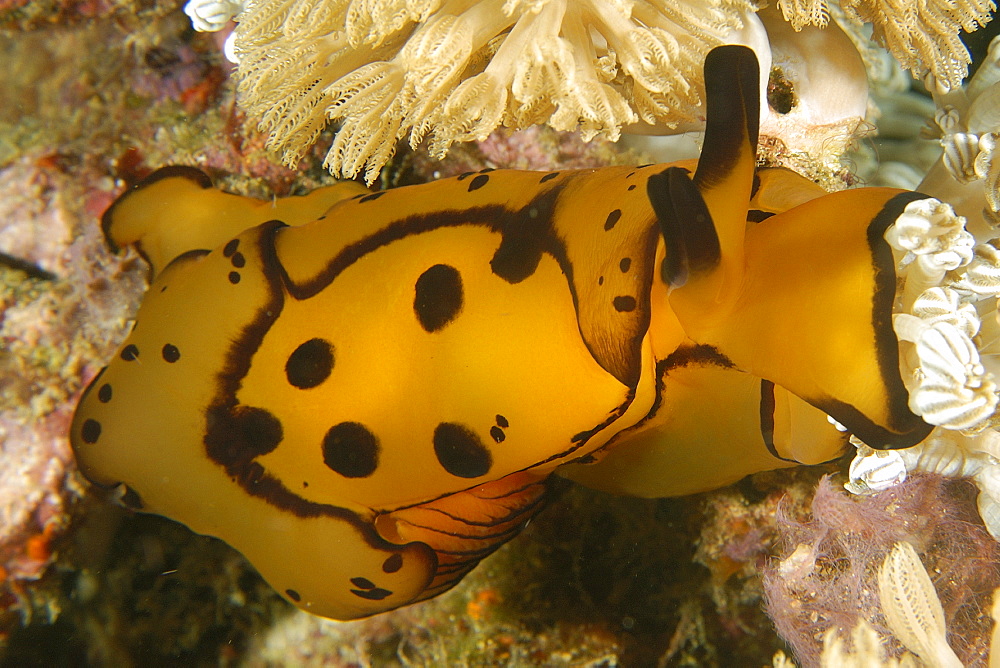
[(365, 392)]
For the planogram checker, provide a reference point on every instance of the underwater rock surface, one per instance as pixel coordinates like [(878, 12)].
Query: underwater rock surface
[(99, 98)]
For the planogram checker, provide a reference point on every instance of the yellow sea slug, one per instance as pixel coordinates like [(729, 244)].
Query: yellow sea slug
[(365, 392)]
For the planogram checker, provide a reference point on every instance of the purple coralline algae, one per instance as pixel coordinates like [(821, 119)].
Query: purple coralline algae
[(826, 575)]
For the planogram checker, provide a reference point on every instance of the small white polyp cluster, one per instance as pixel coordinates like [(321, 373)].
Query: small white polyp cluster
[(967, 124), (211, 15), (948, 329), (946, 315)]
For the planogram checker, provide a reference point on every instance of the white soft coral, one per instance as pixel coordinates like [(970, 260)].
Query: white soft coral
[(948, 332), (923, 36), (454, 70)]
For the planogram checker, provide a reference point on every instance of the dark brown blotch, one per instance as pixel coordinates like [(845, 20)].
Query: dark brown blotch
[(624, 303), (612, 220), (393, 563), (170, 353), (90, 431), (460, 451), (438, 297), (131, 499), (310, 364), (351, 450), (478, 182)]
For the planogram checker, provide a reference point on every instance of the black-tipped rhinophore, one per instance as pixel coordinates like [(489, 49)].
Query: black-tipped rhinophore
[(702, 217), (732, 107)]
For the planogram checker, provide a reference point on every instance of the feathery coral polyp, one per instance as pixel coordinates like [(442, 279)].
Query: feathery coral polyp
[(455, 70), (923, 36)]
